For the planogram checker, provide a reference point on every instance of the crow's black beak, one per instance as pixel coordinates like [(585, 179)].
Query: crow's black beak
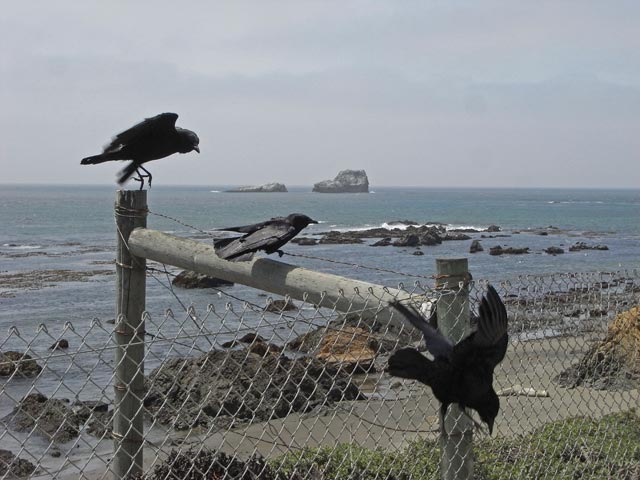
[(490, 427), (197, 148), (313, 221)]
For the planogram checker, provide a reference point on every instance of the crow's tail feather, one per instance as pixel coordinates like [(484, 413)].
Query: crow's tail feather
[(95, 159), (409, 363), (127, 171)]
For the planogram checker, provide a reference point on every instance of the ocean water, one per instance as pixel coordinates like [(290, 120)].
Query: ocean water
[(48, 232)]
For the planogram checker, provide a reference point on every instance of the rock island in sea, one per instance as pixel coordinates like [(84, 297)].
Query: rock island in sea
[(347, 181), (266, 188)]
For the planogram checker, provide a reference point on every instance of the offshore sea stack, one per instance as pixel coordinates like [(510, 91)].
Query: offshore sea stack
[(347, 181), (266, 188)]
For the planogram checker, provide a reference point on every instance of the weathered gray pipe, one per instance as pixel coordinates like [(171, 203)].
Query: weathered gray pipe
[(323, 289)]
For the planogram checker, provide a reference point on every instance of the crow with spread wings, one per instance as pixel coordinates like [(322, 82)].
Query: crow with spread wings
[(460, 373), (268, 236), (153, 138)]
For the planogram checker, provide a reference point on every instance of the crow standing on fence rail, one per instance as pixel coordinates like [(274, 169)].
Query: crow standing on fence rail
[(153, 138), (269, 236), (460, 373)]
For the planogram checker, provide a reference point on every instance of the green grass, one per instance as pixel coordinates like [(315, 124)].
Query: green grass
[(576, 448)]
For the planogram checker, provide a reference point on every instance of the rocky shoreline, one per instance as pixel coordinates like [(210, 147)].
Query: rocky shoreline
[(408, 233)]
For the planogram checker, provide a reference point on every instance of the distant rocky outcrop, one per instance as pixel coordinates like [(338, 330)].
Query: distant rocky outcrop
[(475, 247), (498, 250), (410, 240), (335, 237), (455, 236), (305, 241), (584, 246), (266, 188), (347, 181), (385, 242)]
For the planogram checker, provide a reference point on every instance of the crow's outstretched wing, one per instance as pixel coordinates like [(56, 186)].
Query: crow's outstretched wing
[(487, 344), (491, 337), (492, 319), (150, 127), (437, 344)]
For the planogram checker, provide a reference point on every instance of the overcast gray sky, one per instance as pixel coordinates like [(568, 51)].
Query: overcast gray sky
[(430, 93)]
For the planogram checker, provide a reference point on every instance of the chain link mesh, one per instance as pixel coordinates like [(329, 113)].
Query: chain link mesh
[(290, 390)]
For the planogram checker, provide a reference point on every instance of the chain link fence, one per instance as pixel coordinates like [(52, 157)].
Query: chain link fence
[(289, 389)]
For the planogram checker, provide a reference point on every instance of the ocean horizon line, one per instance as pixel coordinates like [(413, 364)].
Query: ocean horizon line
[(305, 186)]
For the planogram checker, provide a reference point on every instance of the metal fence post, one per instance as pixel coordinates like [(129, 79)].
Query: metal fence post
[(130, 213), (456, 437)]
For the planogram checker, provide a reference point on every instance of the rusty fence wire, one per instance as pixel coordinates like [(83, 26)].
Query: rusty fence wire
[(289, 390)]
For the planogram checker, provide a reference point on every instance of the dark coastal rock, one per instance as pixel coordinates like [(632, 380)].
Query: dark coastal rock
[(20, 363), (584, 246), (305, 241), (14, 467), (475, 247), (410, 240), (402, 222), (61, 344), (493, 228), (455, 236), (221, 388), (279, 306), (554, 250), (379, 232), (96, 415), (188, 279), (347, 181), (418, 253), (430, 237), (84, 408), (340, 238), (266, 188), (544, 231), (256, 344), (51, 418), (385, 242), (498, 250), (465, 230)]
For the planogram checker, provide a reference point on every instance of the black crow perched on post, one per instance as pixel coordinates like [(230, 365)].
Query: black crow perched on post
[(460, 373), (153, 138), (269, 236)]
